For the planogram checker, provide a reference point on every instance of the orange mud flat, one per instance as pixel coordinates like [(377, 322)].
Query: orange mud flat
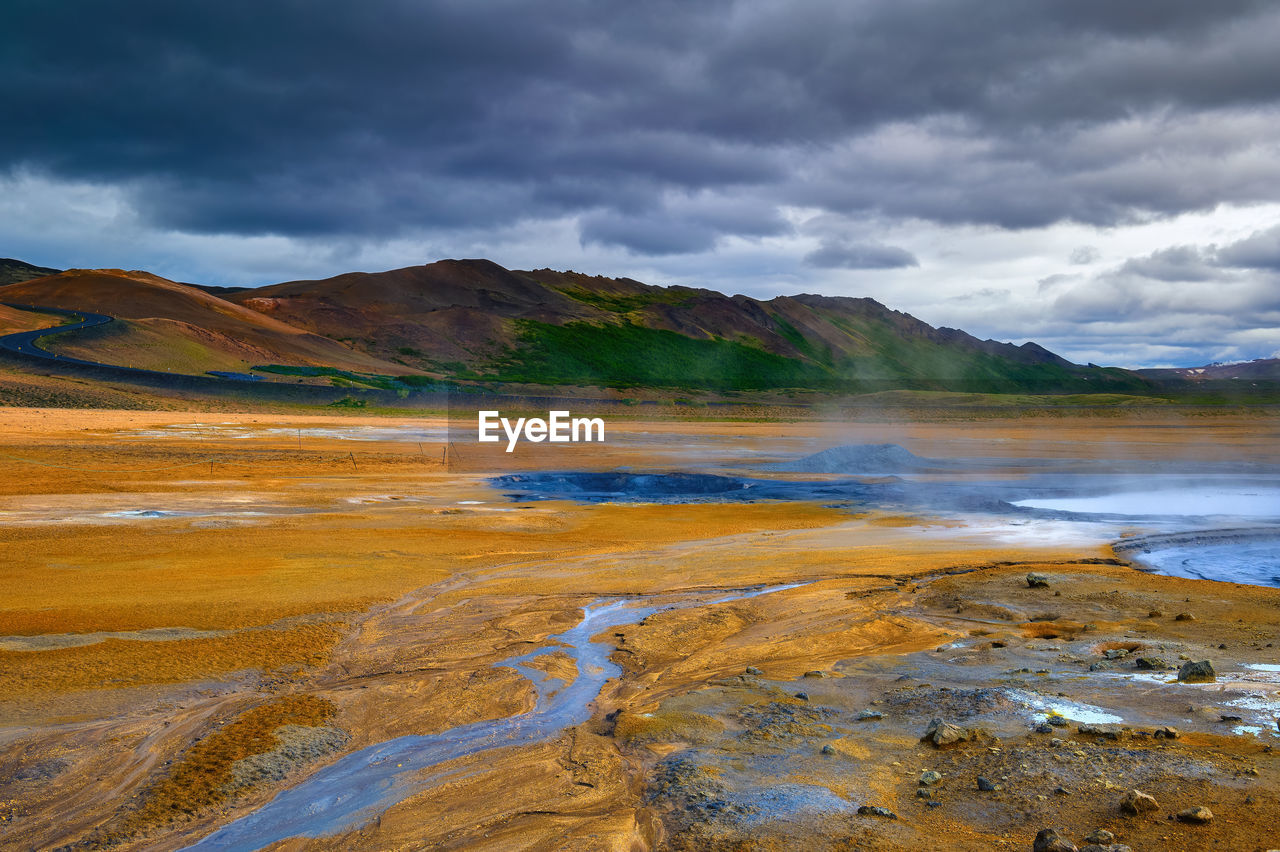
[(204, 609)]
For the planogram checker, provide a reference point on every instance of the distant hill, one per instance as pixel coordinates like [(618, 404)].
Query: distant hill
[(176, 327), (473, 319), (1263, 369), (12, 271)]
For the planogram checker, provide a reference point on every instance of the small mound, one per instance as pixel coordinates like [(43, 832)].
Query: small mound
[(860, 458)]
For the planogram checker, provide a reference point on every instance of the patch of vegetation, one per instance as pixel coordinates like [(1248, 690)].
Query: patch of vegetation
[(349, 402), (202, 777), (622, 303), (629, 355)]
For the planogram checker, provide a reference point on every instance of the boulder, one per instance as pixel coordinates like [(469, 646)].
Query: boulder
[(1048, 840), (1136, 802), (1037, 581), (1198, 815), (943, 734), (1197, 672)]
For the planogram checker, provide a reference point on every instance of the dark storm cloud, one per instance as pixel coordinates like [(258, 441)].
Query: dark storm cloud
[(333, 118)]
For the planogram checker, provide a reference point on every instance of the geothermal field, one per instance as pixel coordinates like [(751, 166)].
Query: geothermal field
[(257, 631)]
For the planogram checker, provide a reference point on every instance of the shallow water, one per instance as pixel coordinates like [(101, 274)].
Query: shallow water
[(1253, 562), (355, 789), (1194, 501)]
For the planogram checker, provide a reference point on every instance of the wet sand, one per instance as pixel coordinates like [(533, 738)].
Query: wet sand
[(171, 575)]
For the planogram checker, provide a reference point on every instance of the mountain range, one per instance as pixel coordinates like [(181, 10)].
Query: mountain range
[(474, 321)]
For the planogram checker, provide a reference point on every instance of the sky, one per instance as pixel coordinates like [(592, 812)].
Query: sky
[(1101, 177)]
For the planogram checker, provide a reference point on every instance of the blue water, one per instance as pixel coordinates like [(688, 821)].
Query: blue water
[(1252, 562)]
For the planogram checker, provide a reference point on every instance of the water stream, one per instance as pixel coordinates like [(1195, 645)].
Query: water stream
[(363, 784)]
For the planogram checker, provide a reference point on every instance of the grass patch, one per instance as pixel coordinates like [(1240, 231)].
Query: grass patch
[(201, 778)]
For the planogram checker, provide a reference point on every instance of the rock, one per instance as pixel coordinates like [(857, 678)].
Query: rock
[(752, 670), (870, 810), (943, 734), (803, 696), (1166, 732), (1105, 847), (869, 715), (1103, 731), (1037, 581), (1184, 616), (1227, 717), (985, 785), (1155, 613), (1043, 728), (1048, 840), (1061, 791), (1100, 666), (1197, 672), (1198, 815), (924, 793), (1136, 802), (826, 749), (1100, 836), (929, 777), (1115, 653), (815, 673), (1057, 720), (1151, 664)]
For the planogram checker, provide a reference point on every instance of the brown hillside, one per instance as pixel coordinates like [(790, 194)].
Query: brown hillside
[(224, 331)]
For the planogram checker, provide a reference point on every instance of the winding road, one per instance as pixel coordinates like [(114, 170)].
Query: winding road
[(25, 342)]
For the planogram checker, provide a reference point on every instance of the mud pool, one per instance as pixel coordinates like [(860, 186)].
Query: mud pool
[(1047, 497)]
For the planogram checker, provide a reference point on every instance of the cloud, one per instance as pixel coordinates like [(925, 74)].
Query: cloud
[(777, 147), (1083, 255), (844, 255)]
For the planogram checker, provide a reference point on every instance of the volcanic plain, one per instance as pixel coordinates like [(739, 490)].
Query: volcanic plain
[(314, 631)]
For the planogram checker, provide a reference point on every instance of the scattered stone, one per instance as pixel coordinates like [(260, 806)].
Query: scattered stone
[(1198, 815), (1115, 653), (1106, 732), (826, 749), (870, 810), (929, 777), (985, 785), (1222, 647), (752, 670), (1057, 720), (933, 804), (1184, 616), (815, 673), (1061, 791), (1100, 666), (868, 715), (1197, 672), (1166, 732), (943, 734), (999, 644), (1048, 840), (803, 696), (1044, 728), (1100, 836), (1037, 581), (1136, 802), (1230, 718), (1150, 664), (924, 793), (1107, 847), (1155, 613)]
